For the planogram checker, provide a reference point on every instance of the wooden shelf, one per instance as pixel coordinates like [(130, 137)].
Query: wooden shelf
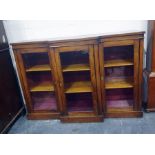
[(119, 109), (115, 63), (120, 104), (78, 87), (37, 68), (76, 67), (42, 86), (124, 83)]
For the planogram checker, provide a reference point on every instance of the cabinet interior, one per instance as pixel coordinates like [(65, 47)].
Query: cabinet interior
[(119, 98), (44, 101), (74, 61), (79, 102), (119, 75), (40, 81), (77, 80), (36, 61)]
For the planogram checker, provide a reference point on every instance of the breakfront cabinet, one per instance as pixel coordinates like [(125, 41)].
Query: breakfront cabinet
[(82, 80)]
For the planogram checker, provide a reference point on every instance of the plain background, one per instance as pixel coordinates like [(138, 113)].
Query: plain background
[(31, 30)]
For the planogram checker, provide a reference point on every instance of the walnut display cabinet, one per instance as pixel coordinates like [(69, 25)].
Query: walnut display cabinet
[(82, 80)]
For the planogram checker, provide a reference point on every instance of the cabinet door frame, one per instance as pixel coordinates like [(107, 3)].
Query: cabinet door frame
[(23, 78), (90, 49), (135, 44)]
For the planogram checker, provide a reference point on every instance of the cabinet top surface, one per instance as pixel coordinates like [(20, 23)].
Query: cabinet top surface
[(97, 38)]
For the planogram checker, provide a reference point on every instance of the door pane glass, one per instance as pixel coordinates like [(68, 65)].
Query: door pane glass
[(119, 76), (118, 53), (40, 81), (75, 57), (119, 98), (36, 61), (77, 80), (79, 102)]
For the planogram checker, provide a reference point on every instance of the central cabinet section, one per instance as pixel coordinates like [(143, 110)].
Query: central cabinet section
[(77, 80)]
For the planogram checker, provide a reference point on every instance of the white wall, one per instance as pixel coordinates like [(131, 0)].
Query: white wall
[(24, 30), (46, 30)]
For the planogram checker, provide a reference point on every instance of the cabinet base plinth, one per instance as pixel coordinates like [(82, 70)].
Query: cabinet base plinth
[(71, 119), (43, 116), (129, 114)]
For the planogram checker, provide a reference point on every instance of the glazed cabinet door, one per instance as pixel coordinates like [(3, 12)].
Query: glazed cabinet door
[(38, 77), (75, 66), (119, 61)]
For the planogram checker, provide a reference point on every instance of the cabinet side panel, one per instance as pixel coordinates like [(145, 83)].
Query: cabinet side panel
[(141, 49), (151, 94), (153, 46), (22, 75), (19, 69), (136, 73), (150, 37)]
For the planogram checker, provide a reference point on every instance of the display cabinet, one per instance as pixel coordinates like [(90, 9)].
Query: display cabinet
[(82, 80)]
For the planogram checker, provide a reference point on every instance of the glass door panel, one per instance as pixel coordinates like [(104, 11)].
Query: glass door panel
[(119, 77), (40, 81), (77, 66)]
